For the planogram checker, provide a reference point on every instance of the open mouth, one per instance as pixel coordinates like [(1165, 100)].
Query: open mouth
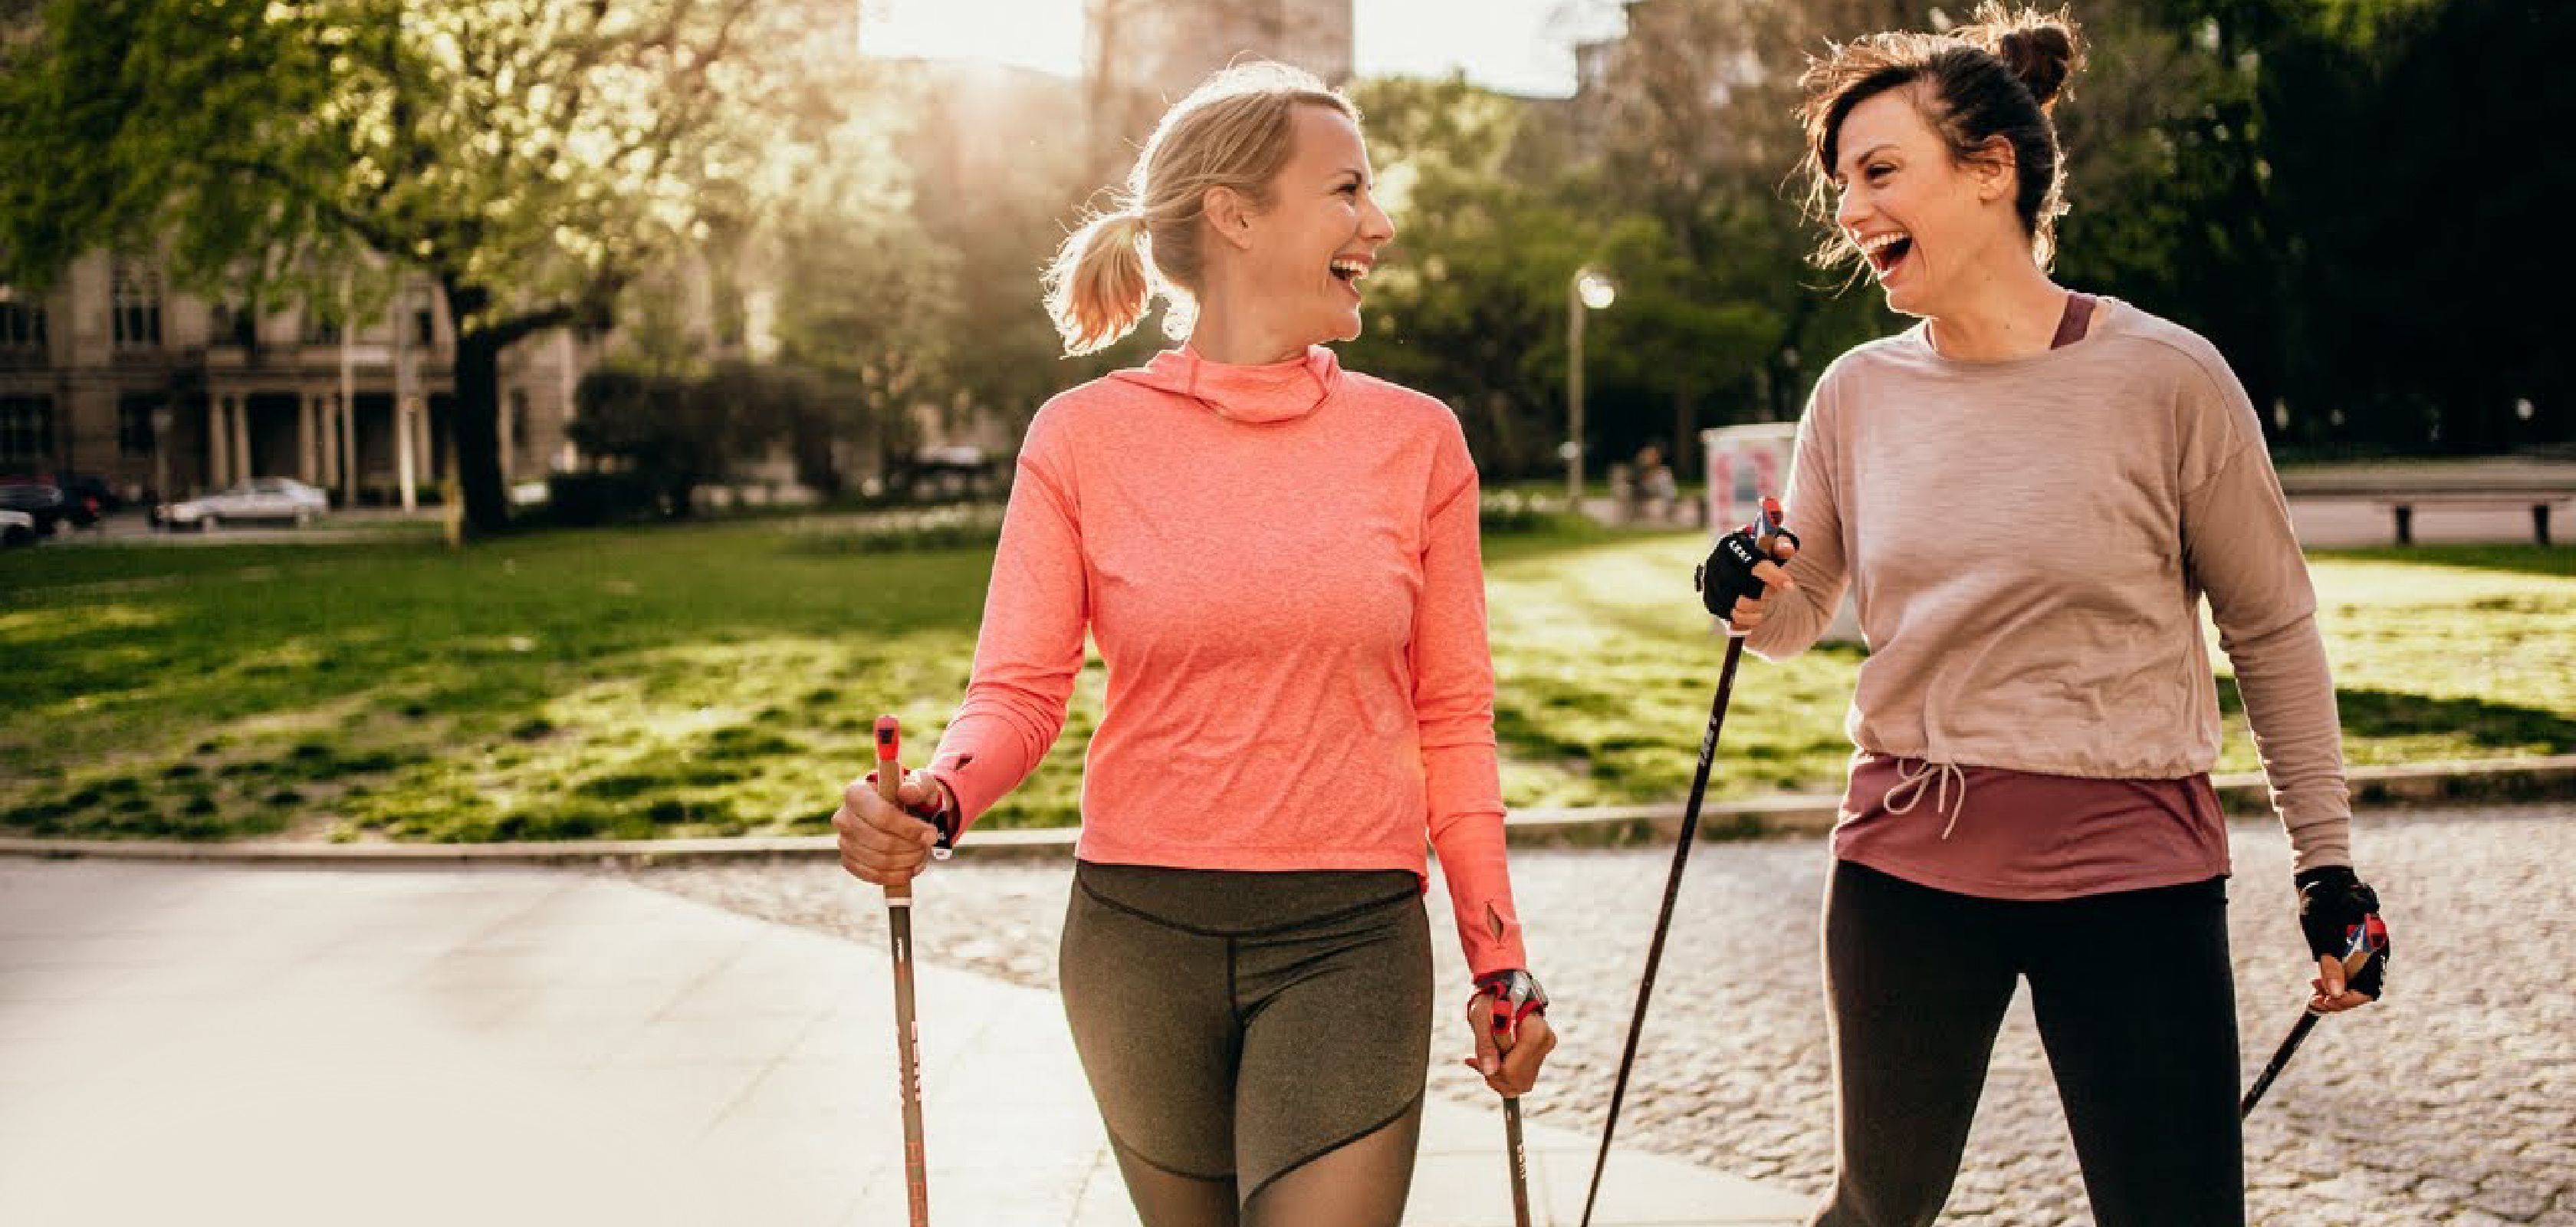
[(1349, 270), (1887, 251)]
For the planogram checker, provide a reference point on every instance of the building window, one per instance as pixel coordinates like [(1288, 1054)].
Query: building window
[(424, 329), (22, 324), (235, 325), (321, 331), (518, 419), (134, 433), (26, 429), (135, 306)]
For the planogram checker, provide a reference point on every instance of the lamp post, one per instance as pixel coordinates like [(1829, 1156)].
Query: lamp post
[(162, 420), (1585, 291)]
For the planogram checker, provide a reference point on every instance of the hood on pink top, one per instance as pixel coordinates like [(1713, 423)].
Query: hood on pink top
[(1273, 392)]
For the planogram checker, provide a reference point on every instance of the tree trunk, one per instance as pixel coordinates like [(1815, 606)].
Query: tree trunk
[(1686, 446), (474, 431), (475, 426)]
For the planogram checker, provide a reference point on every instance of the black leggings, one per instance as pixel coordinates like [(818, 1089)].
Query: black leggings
[(2136, 1008), (1257, 1042)]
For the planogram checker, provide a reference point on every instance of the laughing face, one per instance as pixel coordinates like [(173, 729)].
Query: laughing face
[(1320, 236), (1918, 215)]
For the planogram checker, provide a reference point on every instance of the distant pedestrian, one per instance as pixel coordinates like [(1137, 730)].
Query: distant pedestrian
[(1655, 486)]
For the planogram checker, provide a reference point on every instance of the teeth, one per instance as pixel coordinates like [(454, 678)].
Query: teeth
[(1876, 243), (1352, 269)]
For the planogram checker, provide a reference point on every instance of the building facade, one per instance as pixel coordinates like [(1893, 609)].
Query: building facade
[(111, 372)]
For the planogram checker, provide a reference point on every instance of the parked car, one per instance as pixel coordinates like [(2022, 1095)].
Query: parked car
[(93, 490), (260, 498), (38, 496), (17, 528)]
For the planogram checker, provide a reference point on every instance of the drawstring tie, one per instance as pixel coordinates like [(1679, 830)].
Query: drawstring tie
[(1941, 776)]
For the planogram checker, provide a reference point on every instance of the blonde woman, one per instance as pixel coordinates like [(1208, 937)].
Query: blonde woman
[(1278, 560)]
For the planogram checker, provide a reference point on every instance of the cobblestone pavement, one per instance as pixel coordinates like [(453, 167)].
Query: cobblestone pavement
[(2455, 1102)]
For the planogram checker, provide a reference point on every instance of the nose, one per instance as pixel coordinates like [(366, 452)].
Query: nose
[(1375, 225), (1849, 210)]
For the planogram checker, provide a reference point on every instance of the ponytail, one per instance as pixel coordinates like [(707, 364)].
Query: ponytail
[(1100, 284)]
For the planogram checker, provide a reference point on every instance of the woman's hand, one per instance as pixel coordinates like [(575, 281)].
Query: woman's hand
[(884, 843), (1748, 611), (1512, 1035), (2339, 915)]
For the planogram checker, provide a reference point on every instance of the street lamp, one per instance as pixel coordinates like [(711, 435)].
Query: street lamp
[(162, 420), (1585, 291)]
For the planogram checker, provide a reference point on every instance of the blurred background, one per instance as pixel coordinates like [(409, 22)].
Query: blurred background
[(410, 254)]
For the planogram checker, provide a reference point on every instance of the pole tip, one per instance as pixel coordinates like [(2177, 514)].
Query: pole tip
[(889, 738)]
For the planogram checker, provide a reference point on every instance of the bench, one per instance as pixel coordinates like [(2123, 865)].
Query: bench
[(2402, 504)]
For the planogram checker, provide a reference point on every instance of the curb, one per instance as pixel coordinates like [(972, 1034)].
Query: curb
[(2552, 777)]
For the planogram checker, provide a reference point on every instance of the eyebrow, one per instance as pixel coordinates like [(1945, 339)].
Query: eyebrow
[(1864, 156)]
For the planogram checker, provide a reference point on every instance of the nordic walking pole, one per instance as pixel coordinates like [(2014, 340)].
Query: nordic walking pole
[(1515, 998), (916, 1170), (1765, 528), (2364, 948), (1501, 1022), (1520, 1160)]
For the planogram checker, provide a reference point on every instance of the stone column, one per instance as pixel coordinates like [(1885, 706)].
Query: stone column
[(406, 468), (348, 447), (427, 448), (219, 437), (308, 443), (326, 462), (239, 409)]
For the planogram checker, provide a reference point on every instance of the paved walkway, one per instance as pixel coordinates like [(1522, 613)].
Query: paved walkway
[(2454, 1102), (232, 1045)]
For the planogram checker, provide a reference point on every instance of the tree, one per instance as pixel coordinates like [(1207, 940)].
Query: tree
[(996, 183), (1468, 301), (531, 158), (673, 431), (1694, 115), (2400, 138)]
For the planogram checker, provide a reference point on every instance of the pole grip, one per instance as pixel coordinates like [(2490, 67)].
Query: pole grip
[(890, 788)]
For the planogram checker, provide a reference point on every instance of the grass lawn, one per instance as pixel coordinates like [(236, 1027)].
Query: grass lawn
[(722, 679)]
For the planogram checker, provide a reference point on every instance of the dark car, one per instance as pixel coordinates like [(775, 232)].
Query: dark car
[(41, 498), (92, 491)]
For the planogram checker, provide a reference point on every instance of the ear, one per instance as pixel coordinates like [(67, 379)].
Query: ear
[(1228, 214), (1994, 168)]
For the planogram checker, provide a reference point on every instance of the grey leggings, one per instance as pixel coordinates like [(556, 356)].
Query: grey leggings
[(1258, 1042), (2136, 1007)]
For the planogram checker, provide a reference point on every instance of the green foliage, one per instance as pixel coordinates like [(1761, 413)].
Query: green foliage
[(674, 431)]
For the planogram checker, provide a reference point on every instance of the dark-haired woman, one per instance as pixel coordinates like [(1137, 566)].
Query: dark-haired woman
[(2029, 492)]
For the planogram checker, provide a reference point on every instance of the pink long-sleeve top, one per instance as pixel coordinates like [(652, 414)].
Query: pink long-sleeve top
[(1280, 567)]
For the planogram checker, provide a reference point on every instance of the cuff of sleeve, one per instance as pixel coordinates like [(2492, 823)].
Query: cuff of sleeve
[(962, 812), (1489, 952)]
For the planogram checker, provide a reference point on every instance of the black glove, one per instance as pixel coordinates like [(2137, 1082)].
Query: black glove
[(2340, 916), (1728, 574)]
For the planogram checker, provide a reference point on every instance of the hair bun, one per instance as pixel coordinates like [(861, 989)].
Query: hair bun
[(2042, 50)]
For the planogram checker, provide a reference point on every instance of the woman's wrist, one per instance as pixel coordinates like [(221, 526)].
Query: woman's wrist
[(1515, 992)]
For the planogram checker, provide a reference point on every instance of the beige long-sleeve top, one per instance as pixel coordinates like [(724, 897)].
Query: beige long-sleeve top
[(2028, 541)]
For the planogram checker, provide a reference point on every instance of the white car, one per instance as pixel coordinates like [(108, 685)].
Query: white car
[(17, 528), (260, 498)]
